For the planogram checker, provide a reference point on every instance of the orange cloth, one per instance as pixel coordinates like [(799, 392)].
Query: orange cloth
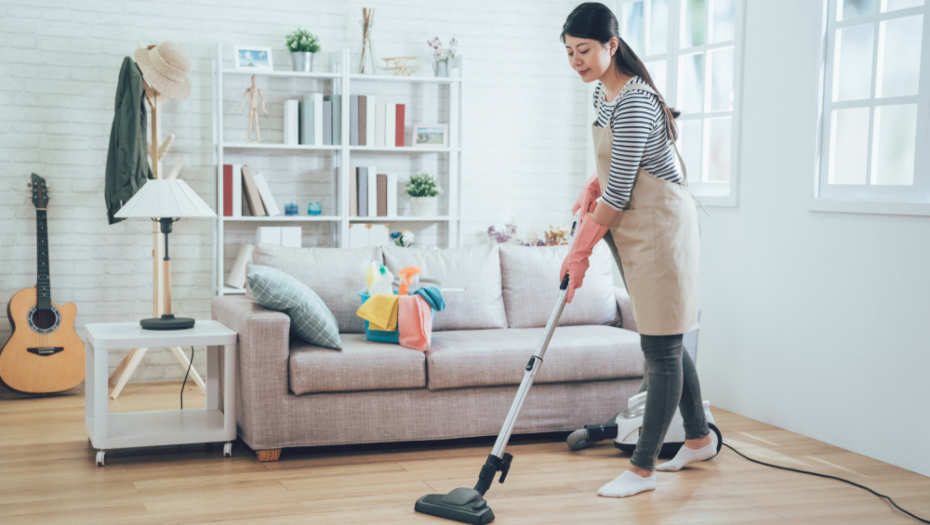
[(414, 322)]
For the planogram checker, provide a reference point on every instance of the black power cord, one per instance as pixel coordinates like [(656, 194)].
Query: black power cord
[(828, 477), (189, 365)]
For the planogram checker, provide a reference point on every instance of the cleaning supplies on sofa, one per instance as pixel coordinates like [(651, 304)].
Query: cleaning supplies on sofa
[(380, 310), (407, 282), (384, 284), (371, 275), (414, 322), (433, 297)]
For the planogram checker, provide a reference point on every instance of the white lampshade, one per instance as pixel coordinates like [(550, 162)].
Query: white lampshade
[(165, 198)]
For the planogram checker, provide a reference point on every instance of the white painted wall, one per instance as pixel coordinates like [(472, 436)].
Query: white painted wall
[(813, 322), (524, 132)]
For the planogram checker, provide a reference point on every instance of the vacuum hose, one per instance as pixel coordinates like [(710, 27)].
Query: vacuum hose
[(591, 434)]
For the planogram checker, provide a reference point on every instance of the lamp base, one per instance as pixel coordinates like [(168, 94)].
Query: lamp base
[(167, 322)]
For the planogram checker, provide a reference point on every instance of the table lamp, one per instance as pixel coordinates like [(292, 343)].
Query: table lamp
[(166, 201)]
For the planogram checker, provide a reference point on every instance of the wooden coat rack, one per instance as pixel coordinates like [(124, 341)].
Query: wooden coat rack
[(160, 291)]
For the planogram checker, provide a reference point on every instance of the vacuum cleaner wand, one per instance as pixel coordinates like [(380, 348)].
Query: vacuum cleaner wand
[(468, 505)]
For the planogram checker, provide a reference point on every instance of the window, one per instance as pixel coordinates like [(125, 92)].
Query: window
[(692, 49), (874, 102)]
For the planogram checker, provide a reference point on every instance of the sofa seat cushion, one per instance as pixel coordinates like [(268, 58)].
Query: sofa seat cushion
[(362, 365), (477, 268), (531, 287), (472, 358)]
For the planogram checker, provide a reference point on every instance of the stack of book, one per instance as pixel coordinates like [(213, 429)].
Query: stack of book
[(315, 120), (373, 123), (246, 194), (372, 194)]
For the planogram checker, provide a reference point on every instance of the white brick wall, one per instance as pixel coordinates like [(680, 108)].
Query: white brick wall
[(524, 134)]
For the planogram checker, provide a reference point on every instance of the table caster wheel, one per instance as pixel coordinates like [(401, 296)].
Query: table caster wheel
[(227, 450), (101, 458)]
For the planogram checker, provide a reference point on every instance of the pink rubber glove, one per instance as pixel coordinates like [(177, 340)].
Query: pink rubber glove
[(576, 262), (586, 199)]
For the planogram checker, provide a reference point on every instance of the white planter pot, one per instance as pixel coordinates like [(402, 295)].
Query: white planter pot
[(425, 206)]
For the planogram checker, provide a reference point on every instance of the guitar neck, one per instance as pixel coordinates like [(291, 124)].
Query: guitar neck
[(43, 284)]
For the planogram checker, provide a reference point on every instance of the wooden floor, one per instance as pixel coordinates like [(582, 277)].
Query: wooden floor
[(48, 475)]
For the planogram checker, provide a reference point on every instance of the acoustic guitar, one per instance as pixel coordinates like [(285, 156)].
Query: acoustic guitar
[(44, 355)]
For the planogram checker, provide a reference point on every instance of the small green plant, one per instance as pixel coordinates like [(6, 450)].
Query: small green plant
[(302, 41), (422, 185)]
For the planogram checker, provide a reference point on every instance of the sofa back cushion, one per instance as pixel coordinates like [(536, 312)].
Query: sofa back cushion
[(475, 268), (335, 274), (530, 286)]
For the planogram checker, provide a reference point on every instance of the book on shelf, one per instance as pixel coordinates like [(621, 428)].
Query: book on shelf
[(306, 112), (361, 174), (252, 197), (353, 192), (317, 119), (392, 195), (232, 190), (390, 125), (379, 124), (362, 121), (353, 120), (327, 122), (382, 195), (291, 122), (372, 191), (271, 209), (399, 126), (236, 277), (370, 109), (335, 115)]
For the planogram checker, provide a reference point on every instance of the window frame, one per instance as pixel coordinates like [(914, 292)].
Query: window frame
[(710, 193), (869, 198)]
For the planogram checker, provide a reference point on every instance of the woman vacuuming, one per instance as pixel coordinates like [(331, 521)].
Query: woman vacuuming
[(639, 202)]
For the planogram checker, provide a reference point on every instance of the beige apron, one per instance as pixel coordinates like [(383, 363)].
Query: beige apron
[(655, 243)]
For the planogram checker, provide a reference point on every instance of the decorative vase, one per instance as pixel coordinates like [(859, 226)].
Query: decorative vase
[(441, 68), (366, 65), (302, 61), (425, 206)]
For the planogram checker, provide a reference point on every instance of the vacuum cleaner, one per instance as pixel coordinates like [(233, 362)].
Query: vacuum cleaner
[(468, 505), (624, 429)]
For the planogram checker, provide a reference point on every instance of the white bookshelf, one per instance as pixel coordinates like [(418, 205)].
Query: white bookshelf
[(340, 80)]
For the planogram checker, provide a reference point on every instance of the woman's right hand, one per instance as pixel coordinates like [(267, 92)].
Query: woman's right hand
[(588, 196)]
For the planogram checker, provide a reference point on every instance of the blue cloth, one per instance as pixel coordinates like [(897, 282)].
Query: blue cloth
[(433, 296)]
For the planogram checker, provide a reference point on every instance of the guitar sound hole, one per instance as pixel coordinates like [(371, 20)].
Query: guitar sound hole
[(44, 319)]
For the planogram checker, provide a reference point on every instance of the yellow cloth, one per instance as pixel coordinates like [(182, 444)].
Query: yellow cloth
[(380, 310)]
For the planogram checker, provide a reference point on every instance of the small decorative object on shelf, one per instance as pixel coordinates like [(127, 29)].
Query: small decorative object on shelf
[(256, 95), (430, 135), (403, 238), (303, 44), (290, 208), (402, 66), (253, 58), (423, 190), (554, 236), (314, 208), (441, 55), (367, 60)]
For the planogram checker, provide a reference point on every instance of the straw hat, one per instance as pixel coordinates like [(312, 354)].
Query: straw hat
[(165, 68)]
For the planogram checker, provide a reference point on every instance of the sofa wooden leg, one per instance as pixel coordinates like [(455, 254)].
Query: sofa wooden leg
[(268, 455)]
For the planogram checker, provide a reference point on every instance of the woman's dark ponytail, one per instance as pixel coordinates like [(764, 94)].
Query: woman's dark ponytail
[(596, 21)]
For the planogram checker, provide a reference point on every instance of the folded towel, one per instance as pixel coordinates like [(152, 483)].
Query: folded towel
[(380, 310), (433, 297), (415, 322)]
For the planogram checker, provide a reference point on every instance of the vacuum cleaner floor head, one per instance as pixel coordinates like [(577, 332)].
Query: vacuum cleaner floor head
[(462, 504)]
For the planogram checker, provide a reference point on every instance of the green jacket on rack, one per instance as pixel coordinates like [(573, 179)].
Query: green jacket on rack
[(127, 164)]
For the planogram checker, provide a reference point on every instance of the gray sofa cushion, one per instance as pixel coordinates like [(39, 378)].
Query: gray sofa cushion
[(476, 268), (474, 358), (335, 274), (362, 365), (530, 287)]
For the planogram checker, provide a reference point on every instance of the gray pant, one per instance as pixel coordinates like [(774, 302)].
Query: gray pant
[(671, 382)]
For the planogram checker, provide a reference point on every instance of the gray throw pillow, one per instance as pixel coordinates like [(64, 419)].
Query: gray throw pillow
[(311, 320)]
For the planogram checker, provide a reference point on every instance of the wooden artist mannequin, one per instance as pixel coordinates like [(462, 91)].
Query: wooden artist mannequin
[(255, 94)]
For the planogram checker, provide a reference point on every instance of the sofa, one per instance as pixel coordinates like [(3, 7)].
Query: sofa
[(294, 394)]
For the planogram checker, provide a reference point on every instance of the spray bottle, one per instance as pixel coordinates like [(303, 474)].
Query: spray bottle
[(384, 284)]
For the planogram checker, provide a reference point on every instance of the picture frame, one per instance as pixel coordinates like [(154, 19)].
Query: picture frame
[(253, 58), (431, 135)]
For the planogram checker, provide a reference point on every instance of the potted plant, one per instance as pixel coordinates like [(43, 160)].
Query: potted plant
[(303, 44), (441, 56), (423, 190)]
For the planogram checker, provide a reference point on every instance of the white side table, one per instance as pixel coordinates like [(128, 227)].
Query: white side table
[(162, 427)]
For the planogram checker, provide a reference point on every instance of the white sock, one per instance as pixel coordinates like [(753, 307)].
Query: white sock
[(627, 484), (685, 456)]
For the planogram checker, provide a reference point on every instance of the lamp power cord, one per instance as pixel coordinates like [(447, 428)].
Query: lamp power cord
[(828, 477)]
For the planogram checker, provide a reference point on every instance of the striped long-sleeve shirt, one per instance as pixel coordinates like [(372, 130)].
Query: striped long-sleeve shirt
[(639, 139)]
